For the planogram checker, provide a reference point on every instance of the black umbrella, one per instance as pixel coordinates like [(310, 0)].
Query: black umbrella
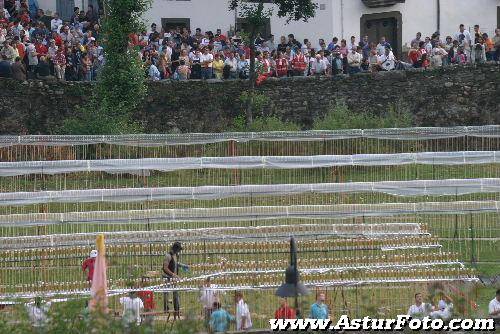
[(292, 287)]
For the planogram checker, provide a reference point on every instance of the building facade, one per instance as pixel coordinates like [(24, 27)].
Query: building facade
[(398, 20)]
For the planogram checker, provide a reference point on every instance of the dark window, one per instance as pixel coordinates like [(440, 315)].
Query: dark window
[(265, 31), (172, 23)]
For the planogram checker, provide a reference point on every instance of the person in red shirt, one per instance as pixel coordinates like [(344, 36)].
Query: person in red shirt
[(219, 37), (24, 17), (413, 54), (21, 48), (133, 39), (284, 312), (299, 63), (423, 57), (56, 37), (147, 296), (281, 66), (88, 265), (3, 19), (41, 49), (60, 64)]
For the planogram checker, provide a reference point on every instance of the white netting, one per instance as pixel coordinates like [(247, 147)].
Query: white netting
[(462, 277), (249, 213), (217, 234), (154, 140), (246, 162), (397, 188)]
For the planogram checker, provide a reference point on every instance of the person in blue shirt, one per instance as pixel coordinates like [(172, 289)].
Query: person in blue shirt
[(219, 319), (319, 310)]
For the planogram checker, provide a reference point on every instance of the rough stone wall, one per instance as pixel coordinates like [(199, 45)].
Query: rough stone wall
[(465, 95)]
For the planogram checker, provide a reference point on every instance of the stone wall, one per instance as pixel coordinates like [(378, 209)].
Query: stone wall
[(445, 97)]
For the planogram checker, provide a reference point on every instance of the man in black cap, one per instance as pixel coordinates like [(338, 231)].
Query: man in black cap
[(171, 273)]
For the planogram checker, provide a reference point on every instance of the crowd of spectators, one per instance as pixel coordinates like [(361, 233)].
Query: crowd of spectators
[(37, 46)]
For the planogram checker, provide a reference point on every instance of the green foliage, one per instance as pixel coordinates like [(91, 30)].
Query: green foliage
[(257, 101), (256, 17), (263, 124), (72, 317), (121, 84), (187, 326), (95, 121), (340, 117), (255, 14), (291, 9)]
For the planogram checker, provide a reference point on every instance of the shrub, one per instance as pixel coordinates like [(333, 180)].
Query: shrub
[(263, 124), (341, 117)]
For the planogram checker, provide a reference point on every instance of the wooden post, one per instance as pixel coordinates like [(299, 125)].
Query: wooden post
[(233, 151)]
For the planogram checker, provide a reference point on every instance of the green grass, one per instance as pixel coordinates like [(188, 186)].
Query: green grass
[(387, 300)]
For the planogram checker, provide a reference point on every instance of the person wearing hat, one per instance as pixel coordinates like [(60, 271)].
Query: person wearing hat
[(88, 265), (171, 273)]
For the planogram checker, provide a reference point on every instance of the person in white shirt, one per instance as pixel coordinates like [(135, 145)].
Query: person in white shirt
[(317, 65), (354, 59), (463, 36), (352, 44), (55, 23), (444, 310), (243, 318), (5, 13), (3, 35), (382, 45), (32, 56), (208, 296), (419, 309), (206, 60), (154, 73), (494, 308), (205, 41), (387, 60), (37, 313), (465, 40), (132, 307), (437, 55), (52, 49), (428, 45), (232, 62)]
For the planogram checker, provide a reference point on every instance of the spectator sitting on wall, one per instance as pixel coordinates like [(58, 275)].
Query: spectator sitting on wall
[(386, 61), (478, 52), (496, 45), (18, 70), (5, 68)]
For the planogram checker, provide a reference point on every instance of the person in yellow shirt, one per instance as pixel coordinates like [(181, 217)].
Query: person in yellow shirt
[(218, 66)]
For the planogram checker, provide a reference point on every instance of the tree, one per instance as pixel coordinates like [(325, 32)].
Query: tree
[(121, 84), (256, 17)]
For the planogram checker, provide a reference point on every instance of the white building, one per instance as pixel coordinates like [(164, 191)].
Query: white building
[(398, 20)]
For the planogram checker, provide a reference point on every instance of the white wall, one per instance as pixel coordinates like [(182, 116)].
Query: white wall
[(482, 12), (421, 15), (204, 14), (52, 4), (418, 15), (213, 14), (318, 27), (47, 5)]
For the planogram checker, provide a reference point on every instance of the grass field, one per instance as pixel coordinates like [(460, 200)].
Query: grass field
[(472, 238)]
